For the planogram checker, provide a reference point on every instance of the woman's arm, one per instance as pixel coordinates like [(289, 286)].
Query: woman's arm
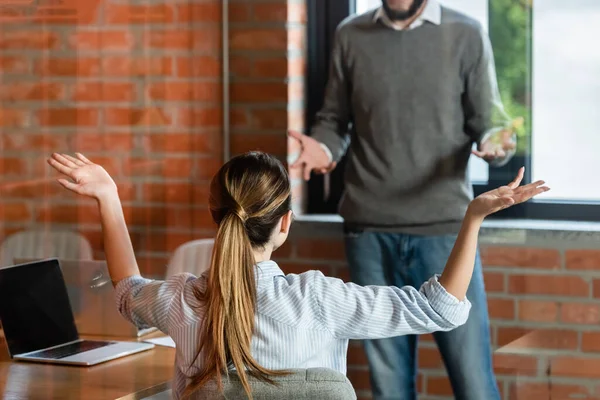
[(118, 249), (459, 267)]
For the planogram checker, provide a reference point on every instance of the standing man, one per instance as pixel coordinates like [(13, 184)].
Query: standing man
[(412, 86)]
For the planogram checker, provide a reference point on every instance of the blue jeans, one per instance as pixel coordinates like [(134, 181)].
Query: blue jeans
[(399, 260)]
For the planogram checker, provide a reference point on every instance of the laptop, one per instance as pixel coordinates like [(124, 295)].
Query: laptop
[(38, 322), (92, 298)]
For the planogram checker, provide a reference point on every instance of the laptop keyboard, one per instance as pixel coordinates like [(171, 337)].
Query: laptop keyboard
[(69, 349)]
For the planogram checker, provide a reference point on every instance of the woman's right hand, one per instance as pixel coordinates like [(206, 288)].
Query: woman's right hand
[(505, 196), (85, 177)]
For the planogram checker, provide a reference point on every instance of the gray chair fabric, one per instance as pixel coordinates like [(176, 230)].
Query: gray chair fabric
[(45, 244), (193, 257), (301, 384)]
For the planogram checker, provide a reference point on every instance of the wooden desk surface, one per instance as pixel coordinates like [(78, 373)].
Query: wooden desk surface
[(111, 380)]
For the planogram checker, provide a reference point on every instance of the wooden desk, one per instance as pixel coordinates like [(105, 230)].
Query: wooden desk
[(111, 380)]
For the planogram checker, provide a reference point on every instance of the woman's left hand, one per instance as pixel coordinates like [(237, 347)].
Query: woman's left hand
[(85, 177)]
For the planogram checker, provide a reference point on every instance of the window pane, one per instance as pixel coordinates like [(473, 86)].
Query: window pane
[(566, 97)]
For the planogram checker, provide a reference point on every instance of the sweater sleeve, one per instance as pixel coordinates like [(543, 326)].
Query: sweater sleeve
[(482, 104), (332, 121)]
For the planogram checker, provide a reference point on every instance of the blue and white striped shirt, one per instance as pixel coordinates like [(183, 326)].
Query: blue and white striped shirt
[(302, 321)]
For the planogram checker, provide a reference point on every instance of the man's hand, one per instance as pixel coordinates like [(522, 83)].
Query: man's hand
[(500, 143), (312, 156), (490, 150)]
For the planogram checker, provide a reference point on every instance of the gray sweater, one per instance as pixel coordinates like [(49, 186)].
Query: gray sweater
[(408, 105)]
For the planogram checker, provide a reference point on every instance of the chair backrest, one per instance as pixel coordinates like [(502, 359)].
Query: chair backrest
[(45, 244), (301, 384), (193, 257)]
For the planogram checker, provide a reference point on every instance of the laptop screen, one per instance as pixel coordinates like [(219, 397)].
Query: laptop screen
[(34, 307)]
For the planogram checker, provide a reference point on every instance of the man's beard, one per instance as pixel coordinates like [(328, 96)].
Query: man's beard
[(397, 15)]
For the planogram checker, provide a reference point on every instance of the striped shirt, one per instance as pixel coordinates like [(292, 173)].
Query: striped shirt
[(302, 321)]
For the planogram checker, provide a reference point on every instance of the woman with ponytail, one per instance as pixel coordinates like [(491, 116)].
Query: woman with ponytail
[(244, 313)]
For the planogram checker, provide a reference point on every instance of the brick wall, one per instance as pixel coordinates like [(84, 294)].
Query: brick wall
[(543, 302), (136, 85)]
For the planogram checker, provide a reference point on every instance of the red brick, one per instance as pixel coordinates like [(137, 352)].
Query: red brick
[(240, 66), (206, 39), (538, 311), (128, 14), (14, 212), (258, 39), (590, 341), (320, 249), (239, 117), (430, 358), (596, 288), (523, 338), (33, 142), (273, 144), (204, 168), (68, 66), (580, 313), (270, 12), (104, 91), (202, 12), (545, 390), (259, 92), (515, 365), (199, 66), (153, 266), (356, 355), (494, 282), (577, 367), (184, 193), (550, 285), (238, 12), (137, 117), (19, 91), (69, 214), (160, 242), (501, 308), (185, 91), (200, 116), (101, 40), (201, 218), (32, 189), (285, 251), (68, 117), (192, 142), (270, 118), (14, 65), (93, 142), (155, 216), (520, 257), (28, 39), (12, 166), (343, 274), (359, 378), (586, 260), (125, 66), (12, 118), (439, 386)]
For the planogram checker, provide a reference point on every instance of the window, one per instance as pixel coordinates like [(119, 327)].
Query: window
[(546, 75)]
